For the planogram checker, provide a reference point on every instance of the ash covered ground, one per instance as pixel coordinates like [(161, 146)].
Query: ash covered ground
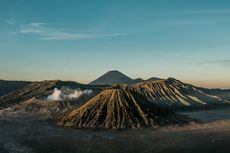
[(39, 135)]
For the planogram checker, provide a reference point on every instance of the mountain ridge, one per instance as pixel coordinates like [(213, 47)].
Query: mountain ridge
[(174, 94), (117, 77), (118, 108), (169, 93), (8, 86), (41, 89)]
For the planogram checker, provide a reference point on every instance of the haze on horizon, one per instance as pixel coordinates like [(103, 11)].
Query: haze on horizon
[(80, 40)]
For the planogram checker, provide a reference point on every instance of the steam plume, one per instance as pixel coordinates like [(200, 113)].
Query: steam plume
[(67, 94)]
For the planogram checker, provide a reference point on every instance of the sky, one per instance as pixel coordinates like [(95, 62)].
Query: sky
[(80, 40)]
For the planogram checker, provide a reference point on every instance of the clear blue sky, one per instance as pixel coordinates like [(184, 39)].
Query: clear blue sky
[(80, 40)]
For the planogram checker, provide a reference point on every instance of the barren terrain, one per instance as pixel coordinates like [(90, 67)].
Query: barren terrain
[(38, 135)]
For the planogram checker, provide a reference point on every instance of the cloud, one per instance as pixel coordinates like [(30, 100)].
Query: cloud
[(222, 62), (44, 32), (66, 36), (10, 21), (33, 28)]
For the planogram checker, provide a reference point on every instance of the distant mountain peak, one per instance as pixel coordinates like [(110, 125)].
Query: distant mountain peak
[(116, 77), (112, 77), (171, 79), (114, 71), (137, 80), (154, 79)]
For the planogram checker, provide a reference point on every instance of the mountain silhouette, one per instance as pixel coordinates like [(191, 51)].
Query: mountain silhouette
[(116, 77), (112, 77)]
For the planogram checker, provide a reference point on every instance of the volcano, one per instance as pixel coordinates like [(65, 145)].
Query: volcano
[(118, 108), (176, 95), (116, 77), (41, 90), (112, 77)]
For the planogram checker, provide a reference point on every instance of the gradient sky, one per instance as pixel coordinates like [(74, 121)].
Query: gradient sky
[(80, 40)]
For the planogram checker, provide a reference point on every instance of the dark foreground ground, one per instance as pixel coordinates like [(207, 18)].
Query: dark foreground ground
[(35, 135)]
